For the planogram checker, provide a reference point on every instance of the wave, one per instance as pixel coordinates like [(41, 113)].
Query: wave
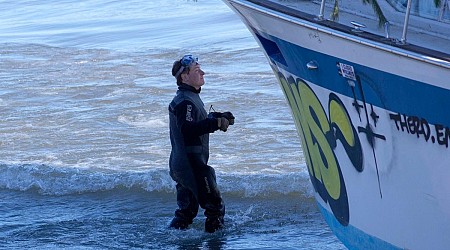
[(60, 180), (142, 121)]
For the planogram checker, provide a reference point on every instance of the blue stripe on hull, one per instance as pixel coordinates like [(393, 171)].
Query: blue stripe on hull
[(392, 92), (352, 237), (382, 89)]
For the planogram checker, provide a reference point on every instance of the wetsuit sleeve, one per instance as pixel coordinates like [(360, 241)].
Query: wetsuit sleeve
[(186, 114)]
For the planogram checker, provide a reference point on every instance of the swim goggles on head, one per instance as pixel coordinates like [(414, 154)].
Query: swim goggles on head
[(186, 61)]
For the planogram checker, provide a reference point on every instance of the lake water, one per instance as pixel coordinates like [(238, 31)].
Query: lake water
[(85, 87)]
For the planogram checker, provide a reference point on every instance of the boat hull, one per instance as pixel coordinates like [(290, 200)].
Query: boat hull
[(373, 126)]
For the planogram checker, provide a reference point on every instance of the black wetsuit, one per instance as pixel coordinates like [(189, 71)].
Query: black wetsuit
[(189, 136)]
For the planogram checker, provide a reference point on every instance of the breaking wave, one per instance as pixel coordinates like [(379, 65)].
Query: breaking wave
[(49, 180)]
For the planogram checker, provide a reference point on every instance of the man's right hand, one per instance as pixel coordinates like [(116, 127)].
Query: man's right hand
[(223, 123)]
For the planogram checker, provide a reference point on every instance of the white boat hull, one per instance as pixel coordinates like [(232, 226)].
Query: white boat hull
[(374, 128)]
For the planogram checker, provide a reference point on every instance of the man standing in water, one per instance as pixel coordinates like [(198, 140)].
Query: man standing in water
[(190, 126)]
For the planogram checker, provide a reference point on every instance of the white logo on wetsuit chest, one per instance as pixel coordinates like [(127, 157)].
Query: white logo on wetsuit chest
[(189, 113)]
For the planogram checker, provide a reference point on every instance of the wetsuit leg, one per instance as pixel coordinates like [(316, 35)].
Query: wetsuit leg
[(209, 197), (187, 208)]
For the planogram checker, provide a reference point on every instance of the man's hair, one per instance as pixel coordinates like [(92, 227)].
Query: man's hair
[(176, 66)]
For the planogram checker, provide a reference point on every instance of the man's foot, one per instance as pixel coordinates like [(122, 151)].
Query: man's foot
[(179, 223), (213, 224)]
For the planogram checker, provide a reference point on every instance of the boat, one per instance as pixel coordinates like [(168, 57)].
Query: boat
[(368, 84)]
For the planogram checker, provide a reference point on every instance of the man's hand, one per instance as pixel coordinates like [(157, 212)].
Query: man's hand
[(223, 123), (229, 116)]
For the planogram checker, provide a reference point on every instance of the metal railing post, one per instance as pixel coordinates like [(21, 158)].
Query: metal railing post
[(405, 25), (322, 10)]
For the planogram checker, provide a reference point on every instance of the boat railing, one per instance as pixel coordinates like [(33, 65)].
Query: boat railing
[(322, 10), (405, 24)]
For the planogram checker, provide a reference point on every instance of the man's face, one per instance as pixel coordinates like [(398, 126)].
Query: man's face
[(195, 76)]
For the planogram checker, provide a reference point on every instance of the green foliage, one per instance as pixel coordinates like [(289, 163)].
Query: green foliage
[(376, 8)]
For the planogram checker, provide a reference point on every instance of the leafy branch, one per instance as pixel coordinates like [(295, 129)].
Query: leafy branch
[(376, 8)]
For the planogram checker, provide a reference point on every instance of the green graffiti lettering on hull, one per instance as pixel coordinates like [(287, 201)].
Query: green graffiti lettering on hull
[(319, 134)]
